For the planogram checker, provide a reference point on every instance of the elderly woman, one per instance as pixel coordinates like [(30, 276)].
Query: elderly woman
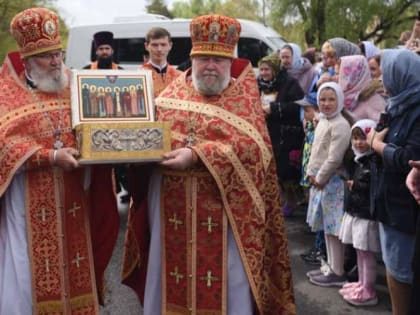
[(297, 66), (332, 50), (278, 92)]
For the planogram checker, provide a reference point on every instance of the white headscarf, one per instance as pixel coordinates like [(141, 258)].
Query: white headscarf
[(366, 125), (370, 49), (340, 98)]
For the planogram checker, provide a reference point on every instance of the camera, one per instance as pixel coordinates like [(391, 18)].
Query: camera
[(383, 122)]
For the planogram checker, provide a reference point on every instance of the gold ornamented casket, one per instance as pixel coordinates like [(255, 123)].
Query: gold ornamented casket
[(113, 117)]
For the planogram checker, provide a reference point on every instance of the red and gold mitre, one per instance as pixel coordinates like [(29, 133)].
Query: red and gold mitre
[(214, 35), (36, 30)]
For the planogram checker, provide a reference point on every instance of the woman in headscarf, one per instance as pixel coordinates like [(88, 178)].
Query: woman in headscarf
[(368, 49), (278, 92), (332, 50), (397, 144), (360, 97), (297, 66)]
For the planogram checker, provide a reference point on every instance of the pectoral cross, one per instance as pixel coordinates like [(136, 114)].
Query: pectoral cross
[(58, 144), (190, 139)]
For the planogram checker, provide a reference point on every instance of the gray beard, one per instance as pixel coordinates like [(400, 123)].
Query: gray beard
[(207, 90), (47, 83)]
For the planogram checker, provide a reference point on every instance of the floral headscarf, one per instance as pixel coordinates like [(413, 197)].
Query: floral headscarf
[(340, 97), (353, 78)]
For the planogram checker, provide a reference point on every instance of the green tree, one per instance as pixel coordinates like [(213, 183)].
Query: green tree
[(244, 9), (158, 7), (356, 20)]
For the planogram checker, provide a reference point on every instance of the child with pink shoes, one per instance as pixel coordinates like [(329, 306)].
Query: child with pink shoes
[(359, 227)]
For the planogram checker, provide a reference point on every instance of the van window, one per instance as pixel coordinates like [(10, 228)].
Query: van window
[(130, 50), (253, 50)]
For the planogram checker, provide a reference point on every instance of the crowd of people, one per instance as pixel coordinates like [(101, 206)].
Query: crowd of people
[(206, 228), (359, 116)]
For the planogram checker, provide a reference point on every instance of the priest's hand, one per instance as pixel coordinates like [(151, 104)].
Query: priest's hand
[(65, 158), (179, 159)]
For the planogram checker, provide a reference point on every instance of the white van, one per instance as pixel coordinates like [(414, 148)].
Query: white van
[(255, 42)]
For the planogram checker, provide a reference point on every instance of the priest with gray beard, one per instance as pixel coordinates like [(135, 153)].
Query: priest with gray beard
[(58, 220)]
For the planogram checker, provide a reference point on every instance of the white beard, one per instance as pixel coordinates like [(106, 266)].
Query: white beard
[(214, 89), (45, 82)]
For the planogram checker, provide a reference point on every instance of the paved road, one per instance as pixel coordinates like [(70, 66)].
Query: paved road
[(310, 299)]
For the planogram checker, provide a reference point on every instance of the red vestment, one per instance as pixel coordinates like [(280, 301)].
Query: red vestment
[(71, 231), (233, 184), (161, 80)]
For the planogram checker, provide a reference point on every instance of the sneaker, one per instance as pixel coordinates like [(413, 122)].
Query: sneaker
[(313, 273), (314, 258), (311, 258), (309, 252), (325, 269), (329, 280)]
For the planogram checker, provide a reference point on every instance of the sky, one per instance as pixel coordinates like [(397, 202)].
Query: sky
[(81, 12)]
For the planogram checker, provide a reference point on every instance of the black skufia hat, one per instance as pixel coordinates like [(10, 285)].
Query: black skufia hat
[(103, 38)]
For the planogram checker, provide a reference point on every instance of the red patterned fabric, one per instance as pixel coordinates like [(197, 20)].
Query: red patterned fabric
[(214, 35), (36, 30), (161, 80), (62, 217), (233, 184)]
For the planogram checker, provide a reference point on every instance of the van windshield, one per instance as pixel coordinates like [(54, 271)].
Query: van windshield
[(130, 51)]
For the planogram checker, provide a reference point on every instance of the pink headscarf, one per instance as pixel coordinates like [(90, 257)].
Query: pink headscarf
[(353, 78)]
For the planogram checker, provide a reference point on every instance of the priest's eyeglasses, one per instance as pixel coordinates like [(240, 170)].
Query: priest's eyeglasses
[(51, 55)]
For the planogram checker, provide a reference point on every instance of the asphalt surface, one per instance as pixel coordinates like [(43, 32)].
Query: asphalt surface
[(310, 299)]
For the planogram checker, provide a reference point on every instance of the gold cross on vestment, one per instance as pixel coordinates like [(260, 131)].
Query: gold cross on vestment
[(209, 224), (177, 275), (78, 259), (74, 209), (48, 264), (175, 221), (42, 214), (209, 278)]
